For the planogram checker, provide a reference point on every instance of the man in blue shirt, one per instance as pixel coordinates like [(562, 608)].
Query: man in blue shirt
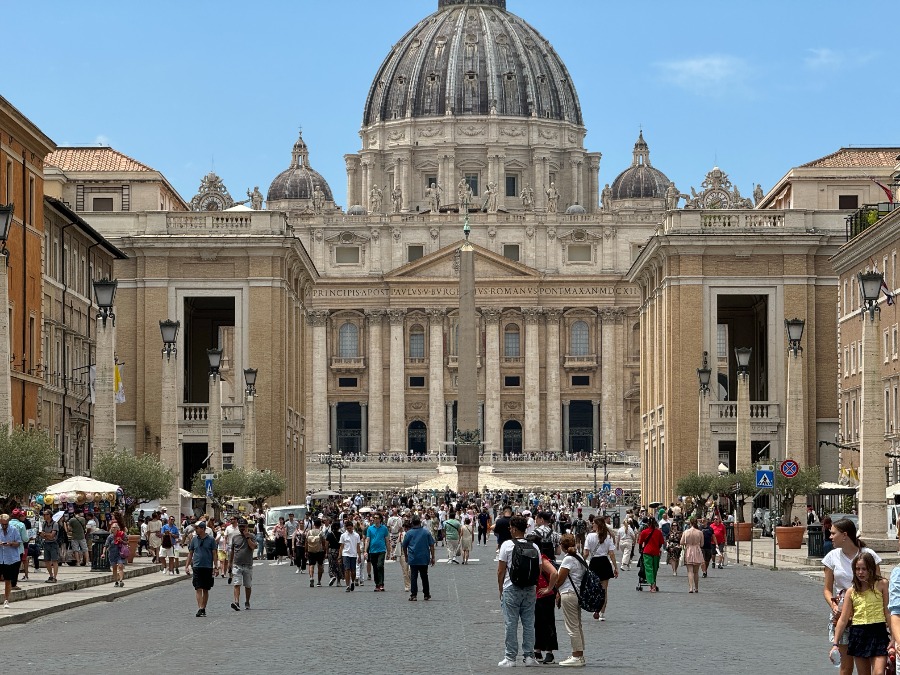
[(377, 547), (200, 561), (418, 548), (170, 553), (10, 539)]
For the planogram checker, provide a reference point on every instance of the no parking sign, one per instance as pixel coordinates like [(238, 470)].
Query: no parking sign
[(789, 468)]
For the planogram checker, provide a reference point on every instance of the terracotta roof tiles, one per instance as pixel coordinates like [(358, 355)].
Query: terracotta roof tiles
[(93, 159), (857, 158)]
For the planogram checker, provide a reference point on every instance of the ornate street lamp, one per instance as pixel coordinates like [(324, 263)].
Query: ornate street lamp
[(250, 380), (742, 354), (794, 328), (6, 216), (105, 294), (215, 360), (704, 373), (870, 285), (169, 331)]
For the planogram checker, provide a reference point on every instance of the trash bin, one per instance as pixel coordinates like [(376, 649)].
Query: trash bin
[(815, 545), (99, 562), (729, 534), (617, 521)]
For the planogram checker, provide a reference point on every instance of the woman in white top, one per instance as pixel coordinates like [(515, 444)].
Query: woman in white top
[(600, 551), (571, 572), (839, 577), (626, 543)]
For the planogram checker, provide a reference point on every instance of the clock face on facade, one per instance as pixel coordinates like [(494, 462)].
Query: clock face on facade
[(716, 199), (212, 203)]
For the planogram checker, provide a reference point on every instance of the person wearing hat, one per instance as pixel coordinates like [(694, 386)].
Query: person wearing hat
[(10, 559), (18, 515), (49, 534), (240, 564), (200, 563)]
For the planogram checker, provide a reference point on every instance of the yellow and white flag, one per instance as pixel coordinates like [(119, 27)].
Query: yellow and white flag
[(119, 386)]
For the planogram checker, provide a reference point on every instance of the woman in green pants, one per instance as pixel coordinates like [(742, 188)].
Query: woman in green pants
[(651, 541)]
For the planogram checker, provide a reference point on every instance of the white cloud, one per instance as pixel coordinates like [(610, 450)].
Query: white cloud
[(712, 75), (102, 139), (824, 58)]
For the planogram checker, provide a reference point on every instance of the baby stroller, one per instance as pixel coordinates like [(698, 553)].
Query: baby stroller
[(642, 574)]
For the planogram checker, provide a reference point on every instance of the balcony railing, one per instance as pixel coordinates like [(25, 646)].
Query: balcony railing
[(348, 364), (867, 216), (416, 360), (725, 410), (453, 361), (582, 362), (513, 360), (198, 413)]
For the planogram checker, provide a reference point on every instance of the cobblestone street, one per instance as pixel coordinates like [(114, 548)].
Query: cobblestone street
[(743, 620)]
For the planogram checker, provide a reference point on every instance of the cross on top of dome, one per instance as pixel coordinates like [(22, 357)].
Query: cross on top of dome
[(300, 154), (442, 4), (641, 152)]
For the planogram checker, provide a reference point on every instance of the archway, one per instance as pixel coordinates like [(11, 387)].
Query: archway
[(417, 438), (581, 426), (512, 438)]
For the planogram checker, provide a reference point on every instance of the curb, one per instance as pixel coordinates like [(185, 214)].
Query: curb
[(99, 578), (26, 616)]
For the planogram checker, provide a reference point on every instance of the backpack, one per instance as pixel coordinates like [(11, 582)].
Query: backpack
[(314, 541), (167, 540), (591, 595), (526, 564)]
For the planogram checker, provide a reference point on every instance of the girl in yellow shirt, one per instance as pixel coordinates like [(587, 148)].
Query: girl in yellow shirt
[(866, 604)]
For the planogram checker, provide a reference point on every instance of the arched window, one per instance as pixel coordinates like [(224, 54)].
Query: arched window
[(580, 339), (348, 341), (417, 342), (511, 343)]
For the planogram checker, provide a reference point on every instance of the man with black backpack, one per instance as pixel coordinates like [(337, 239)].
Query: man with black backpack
[(517, 575)]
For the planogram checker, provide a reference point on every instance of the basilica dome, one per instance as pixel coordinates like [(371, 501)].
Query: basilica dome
[(640, 180), (298, 181), (472, 57)]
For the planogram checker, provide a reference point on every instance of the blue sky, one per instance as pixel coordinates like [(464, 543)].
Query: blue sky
[(756, 88)]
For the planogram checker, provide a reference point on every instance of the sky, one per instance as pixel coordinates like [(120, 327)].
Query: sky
[(188, 87)]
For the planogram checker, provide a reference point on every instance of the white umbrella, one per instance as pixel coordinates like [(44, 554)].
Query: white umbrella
[(81, 484), (58, 516)]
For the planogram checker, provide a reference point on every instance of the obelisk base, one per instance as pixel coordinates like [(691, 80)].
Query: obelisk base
[(467, 468)]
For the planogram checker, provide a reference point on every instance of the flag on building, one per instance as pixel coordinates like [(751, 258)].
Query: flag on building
[(887, 190), (119, 386)]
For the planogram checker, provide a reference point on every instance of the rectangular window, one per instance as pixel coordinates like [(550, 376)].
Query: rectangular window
[(853, 359), (888, 425), (512, 381), (886, 346), (472, 180), (102, 204), (414, 252), (579, 253), (581, 380), (30, 200), (348, 382), (722, 340), (511, 343), (346, 255), (846, 202), (512, 185), (846, 362), (429, 181), (844, 306), (417, 345), (227, 455), (417, 381), (894, 341), (33, 344), (9, 182), (511, 251)]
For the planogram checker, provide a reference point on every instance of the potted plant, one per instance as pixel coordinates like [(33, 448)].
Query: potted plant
[(742, 485), (806, 482), (134, 540)]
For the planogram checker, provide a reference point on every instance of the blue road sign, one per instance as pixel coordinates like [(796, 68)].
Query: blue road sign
[(607, 487), (209, 490), (765, 478)]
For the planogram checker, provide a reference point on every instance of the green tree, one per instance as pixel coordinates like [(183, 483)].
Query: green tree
[(27, 461), (142, 478), (264, 484), (806, 482), (698, 486)]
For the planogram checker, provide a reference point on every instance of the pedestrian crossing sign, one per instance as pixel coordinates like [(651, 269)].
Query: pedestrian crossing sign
[(765, 478)]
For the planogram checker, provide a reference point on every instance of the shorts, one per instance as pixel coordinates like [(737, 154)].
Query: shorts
[(708, 554), (78, 546), (202, 578), (51, 552), (10, 573), (167, 553), (242, 575), (222, 555), (349, 563), (845, 636), (316, 557)]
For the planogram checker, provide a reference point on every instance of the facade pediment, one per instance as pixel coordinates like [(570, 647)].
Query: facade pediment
[(444, 264), (579, 235), (347, 238)]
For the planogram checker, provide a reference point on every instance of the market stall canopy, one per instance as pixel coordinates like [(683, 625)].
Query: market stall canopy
[(324, 494), (81, 484)]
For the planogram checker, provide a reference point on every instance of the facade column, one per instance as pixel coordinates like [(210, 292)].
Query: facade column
[(449, 422), (352, 162), (532, 437), (743, 454), (363, 428), (318, 320), (501, 181), (566, 438), (333, 427), (481, 419), (249, 433), (538, 184), (368, 172), (595, 185), (574, 165), (608, 391), (705, 463), (397, 365), (169, 447), (620, 331), (492, 422), (554, 432), (405, 184), (452, 180), (376, 381), (436, 421), (595, 425), (872, 461), (104, 386), (795, 420), (5, 374)]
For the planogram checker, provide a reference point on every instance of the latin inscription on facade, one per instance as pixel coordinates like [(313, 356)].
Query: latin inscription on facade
[(481, 291)]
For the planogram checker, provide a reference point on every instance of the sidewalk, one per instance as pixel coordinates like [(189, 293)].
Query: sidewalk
[(797, 559), (79, 586)]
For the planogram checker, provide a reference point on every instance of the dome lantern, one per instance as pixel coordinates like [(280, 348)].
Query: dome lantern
[(300, 186), (641, 181)]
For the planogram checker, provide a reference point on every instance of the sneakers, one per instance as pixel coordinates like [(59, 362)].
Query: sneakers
[(529, 661), (348, 589), (311, 583), (704, 575), (297, 571), (201, 612), (235, 607), (318, 584), (6, 604), (548, 658), (573, 662), (247, 606), (507, 663), (332, 582), (116, 584)]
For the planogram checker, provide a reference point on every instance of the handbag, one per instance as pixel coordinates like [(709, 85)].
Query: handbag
[(124, 551)]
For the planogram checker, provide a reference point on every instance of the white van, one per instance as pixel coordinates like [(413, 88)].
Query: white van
[(276, 512)]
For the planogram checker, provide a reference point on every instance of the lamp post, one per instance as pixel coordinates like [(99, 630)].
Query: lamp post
[(340, 464), (705, 461), (328, 459), (795, 420), (743, 456), (250, 421), (6, 216), (169, 449), (595, 463), (872, 461), (214, 415), (104, 380)]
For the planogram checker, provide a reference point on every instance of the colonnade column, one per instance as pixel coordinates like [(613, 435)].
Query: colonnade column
[(492, 422), (376, 381), (318, 320), (396, 317), (435, 380), (608, 364), (552, 368), (531, 441)]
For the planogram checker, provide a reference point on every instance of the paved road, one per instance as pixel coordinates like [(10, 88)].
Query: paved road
[(744, 620)]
